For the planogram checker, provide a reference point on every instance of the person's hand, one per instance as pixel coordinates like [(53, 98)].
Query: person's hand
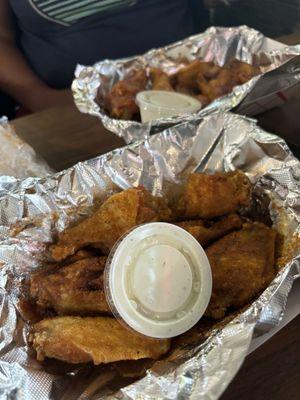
[(45, 97)]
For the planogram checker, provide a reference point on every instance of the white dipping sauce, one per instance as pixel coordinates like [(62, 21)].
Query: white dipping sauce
[(158, 280), (162, 279), (155, 104)]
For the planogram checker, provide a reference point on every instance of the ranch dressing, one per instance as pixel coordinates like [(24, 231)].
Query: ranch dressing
[(155, 104)]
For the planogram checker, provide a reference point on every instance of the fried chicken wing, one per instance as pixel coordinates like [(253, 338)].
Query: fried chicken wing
[(224, 79), (203, 85), (209, 70), (121, 99), (118, 214), (160, 80), (73, 289), (96, 339), (242, 266), (186, 77), (217, 87), (243, 71), (209, 196), (81, 255), (208, 231)]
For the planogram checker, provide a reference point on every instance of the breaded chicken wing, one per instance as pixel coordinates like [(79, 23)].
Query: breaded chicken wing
[(118, 214), (73, 289), (243, 71), (217, 87), (160, 80), (81, 255), (120, 101), (96, 339), (186, 77), (209, 70), (242, 266), (209, 196), (224, 80), (208, 231)]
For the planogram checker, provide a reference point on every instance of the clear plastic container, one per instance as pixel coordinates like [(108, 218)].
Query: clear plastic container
[(155, 104), (158, 280)]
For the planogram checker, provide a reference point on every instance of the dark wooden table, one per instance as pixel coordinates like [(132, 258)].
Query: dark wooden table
[(64, 136)]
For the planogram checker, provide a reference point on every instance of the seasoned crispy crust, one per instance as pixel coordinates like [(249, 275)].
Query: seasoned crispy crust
[(208, 231), (186, 77), (209, 196), (242, 266), (96, 339), (73, 289), (118, 214), (81, 255), (160, 80), (120, 101)]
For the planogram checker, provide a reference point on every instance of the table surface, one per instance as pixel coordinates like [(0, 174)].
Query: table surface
[(64, 136)]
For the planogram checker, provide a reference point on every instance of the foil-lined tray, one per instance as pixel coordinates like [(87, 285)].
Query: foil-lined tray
[(279, 63), (32, 211), (17, 158)]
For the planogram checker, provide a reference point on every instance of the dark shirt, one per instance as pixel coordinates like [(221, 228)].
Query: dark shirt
[(273, 18), (55, 35)]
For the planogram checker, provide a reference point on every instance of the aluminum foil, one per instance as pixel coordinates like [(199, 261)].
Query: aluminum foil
[(215, 44), (32, 211), (17, 158)]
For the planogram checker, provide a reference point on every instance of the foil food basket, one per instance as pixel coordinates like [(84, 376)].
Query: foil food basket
[(32, 211), (279, 64)]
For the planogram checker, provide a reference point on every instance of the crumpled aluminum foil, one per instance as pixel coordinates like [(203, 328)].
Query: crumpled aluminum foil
[(17, 158), (215, 44), (33, 210)]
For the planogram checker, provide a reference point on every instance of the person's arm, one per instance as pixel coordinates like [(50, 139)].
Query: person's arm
[(17, 79)]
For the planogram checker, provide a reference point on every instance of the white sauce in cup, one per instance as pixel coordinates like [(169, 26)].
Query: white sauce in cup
[(155, 104)]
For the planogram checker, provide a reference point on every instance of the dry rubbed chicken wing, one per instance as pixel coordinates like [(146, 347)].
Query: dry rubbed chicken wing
[(209, 70), (209, 196), (96, 339), (235, 73), (73, 289), (81, 255), (120, 101), (186, 77), (160, 80), (118, 214), (243, 71), (208, 231), (242, 266), (218, 86)]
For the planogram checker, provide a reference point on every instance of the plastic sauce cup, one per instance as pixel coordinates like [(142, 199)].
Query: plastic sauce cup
[(158, 280), (155, 104)]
